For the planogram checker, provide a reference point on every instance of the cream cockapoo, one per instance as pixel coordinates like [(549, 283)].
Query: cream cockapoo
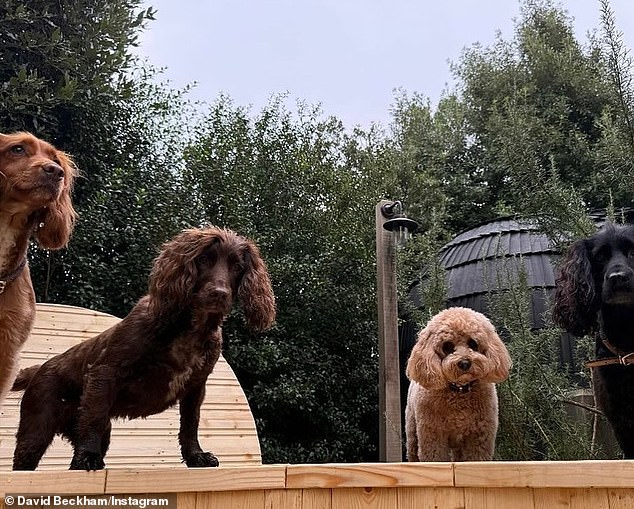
[(452, 406)]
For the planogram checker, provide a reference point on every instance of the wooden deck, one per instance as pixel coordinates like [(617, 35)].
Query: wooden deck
[(491, 485)]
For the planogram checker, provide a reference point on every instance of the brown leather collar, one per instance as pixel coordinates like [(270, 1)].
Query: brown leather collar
[(622, 358), (12, 276)]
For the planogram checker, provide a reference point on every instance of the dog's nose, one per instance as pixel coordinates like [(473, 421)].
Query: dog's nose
[(220, 292), (55, 171), (617, 276), (464, 364)]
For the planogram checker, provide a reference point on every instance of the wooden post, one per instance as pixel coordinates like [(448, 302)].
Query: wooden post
[(390, 448)]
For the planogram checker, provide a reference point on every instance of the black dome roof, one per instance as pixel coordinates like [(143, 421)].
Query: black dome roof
[(490, 257)]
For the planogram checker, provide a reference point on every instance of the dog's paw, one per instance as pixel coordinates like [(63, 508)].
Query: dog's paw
[(86, 460), (201, 459)]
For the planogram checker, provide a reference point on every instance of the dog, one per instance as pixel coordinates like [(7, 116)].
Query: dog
[(452, 406), (36, 181), (161, 353), (594, 294)]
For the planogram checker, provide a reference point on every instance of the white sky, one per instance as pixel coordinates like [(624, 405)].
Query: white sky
[(347, 55)]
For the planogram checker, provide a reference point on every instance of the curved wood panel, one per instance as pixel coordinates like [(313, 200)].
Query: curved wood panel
[(226, 425)]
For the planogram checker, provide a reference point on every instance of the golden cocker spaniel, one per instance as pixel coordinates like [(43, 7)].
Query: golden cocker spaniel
[(36, 181)]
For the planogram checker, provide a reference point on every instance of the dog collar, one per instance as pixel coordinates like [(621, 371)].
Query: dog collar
[(12, 276), (622, 358), (461, 389)]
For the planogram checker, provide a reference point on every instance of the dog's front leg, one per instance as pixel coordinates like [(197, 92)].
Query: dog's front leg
[(191, 451), (93, 423)]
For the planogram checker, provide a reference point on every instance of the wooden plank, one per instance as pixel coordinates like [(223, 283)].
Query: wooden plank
[(316, 499), (214, 500), (66, 482), (588, 498), (263, 487), (499, 498), (186, 501), (369, 474), (367, 498), (573, 498), (195, 479), (229, 420), (621, 498), (252, 499), (149, 446), (231, 500), (552, 498), (430, 498), (287, 499), (545, 474)]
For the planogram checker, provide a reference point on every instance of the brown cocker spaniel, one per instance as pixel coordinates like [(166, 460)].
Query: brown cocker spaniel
[(36, 181), (160, 354)]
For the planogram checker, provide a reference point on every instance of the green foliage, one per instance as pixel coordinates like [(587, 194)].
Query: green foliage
[(300, 187), (436, 175), (534, 423), (58, 59), (66, 74), (139, 203), (615, 152), (534, 106), (547, 123)]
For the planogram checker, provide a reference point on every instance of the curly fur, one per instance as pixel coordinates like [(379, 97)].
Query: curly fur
[(452, 408), (161, 353), (36, 181), (595, 295)]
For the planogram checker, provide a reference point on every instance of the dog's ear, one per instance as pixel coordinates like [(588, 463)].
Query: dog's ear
[(576, 302), (174, 274), (499, 359), (424, 365), (58, 218), (255, 291)]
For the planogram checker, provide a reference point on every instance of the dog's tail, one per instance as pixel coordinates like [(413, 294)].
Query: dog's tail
[(24, 378)]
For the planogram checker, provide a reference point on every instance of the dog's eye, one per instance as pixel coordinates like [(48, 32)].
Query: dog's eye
[(602, 256), (17, 149), (448, 347), (206, 259), (473, 344), (236, 263)]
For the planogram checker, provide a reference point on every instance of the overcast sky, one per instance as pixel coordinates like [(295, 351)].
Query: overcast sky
[(347, 55)]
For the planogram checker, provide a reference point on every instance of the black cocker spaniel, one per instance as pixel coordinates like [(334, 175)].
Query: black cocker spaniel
[(595, 295)]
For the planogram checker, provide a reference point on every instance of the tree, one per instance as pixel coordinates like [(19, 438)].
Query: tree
[(615, 151), (301, 187), (544, 125), (533, 106), (67, 75)]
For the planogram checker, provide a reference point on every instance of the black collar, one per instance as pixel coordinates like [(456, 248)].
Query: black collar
[(12, 276), (461, 389)]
